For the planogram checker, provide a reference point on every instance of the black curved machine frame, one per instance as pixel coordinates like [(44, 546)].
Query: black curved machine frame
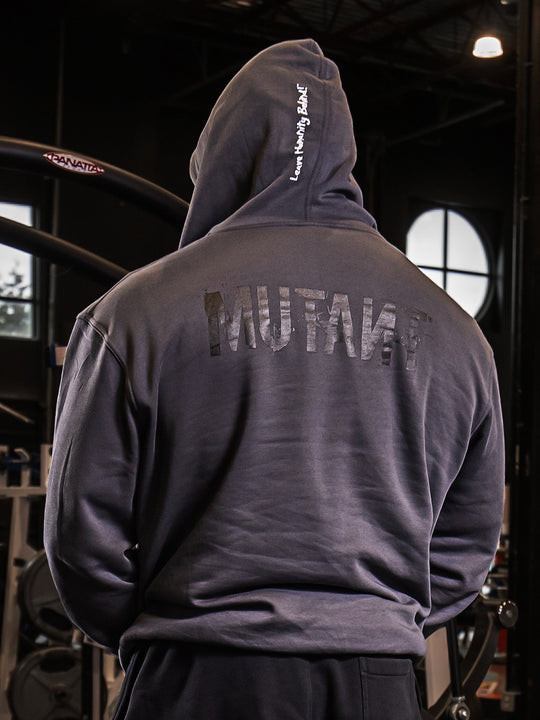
[(459, 700), (51, 161)]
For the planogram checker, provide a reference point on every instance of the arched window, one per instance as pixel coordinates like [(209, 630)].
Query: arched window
[(449, 250)]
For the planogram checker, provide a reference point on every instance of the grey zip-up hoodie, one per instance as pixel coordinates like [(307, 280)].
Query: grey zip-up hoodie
[(282, 436)]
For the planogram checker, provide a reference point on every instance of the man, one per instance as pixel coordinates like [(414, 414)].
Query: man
[(278, 460)]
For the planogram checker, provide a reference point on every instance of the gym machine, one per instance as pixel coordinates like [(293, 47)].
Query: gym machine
[(456, 698), (69, 677), (62, 675), (54, 162)]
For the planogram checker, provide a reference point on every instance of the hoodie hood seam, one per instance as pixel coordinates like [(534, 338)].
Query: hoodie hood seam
[(353, 225)]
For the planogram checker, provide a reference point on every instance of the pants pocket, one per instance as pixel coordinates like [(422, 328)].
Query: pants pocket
[(389, 689)]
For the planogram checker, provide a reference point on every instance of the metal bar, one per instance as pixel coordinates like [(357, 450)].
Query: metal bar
[(53, 161), (286, 9), (52, 248), (15, 414), (523, 665), (469, 273), (97, 682), (448, 123), (453, 658), (398, 29), (426, 21), (473, 668), (49, 390), (335, 14), (376, 16)]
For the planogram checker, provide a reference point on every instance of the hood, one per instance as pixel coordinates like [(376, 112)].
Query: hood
[(278, 147)]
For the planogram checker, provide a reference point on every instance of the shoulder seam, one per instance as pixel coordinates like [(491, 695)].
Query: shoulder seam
[(99, 330)]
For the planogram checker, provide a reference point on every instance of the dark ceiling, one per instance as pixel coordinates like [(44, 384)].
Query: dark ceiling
[(432, 37), (407, 65)]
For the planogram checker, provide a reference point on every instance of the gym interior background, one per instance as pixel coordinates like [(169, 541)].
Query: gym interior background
[(448, 143)]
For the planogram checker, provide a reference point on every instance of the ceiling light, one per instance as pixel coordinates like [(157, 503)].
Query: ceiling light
[(487, 47)]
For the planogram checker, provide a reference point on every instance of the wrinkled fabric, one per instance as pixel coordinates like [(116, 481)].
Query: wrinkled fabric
[(282, 437), (167, 682)]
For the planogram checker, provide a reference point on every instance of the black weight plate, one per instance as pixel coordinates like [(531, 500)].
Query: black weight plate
[(39, 599), (46, 685)]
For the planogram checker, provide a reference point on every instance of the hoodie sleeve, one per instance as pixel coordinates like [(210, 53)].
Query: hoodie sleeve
[(89, 526), (467, 530)]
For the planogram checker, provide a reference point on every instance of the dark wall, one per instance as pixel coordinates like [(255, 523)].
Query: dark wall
[(472, 170), (117, 107), (110, 110)]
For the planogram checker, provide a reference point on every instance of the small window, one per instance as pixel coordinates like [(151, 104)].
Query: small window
[(17, 280), (449, 250)]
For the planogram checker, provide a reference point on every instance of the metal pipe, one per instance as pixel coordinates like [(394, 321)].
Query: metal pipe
[(518, 570), (447, 123), (453, 659), (52, 248), (52, 161), (55, 228), (18, 415)]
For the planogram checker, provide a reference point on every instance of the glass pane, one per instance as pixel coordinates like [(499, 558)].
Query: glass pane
[(16, 279), (15, 273), (425, 239), (468, 290), (16, 319), (19, 213), (465, 248), (436, 275)]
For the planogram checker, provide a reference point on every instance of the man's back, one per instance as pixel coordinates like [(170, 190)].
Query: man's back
[(306, 401), (301, 443)]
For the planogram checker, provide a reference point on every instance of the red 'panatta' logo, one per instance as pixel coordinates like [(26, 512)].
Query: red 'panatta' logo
[(74, 163)]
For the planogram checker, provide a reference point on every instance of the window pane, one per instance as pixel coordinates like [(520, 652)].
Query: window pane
[(465, 253), (425, 239), (465, 248), (436, 275), (16, 319), (468, 290), (15, 273), (19, 213), (16, 280)]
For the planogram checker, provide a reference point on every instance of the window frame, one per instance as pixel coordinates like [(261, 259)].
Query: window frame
[(470, 216), (35, 299)]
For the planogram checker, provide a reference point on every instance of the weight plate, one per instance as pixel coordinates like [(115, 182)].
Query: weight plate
[(39, 599), (46, 685)]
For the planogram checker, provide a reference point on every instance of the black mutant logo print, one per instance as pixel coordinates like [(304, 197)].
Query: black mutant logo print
[(325, 318)]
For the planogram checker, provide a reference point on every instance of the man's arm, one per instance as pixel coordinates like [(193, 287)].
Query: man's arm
[(89, 525), (467, 530)]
